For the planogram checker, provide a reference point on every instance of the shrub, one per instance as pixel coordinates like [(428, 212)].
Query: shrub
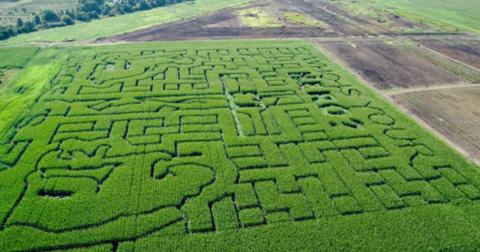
[(67, 20), (82, 16), (50, 16)]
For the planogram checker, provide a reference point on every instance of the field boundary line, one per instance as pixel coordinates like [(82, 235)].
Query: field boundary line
[(433, 130), (387, 97), (431, 88), (461, 69), (435, 52)]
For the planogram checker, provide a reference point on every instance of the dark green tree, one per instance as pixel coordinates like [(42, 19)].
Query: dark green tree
[(106, 10), (67, 20), (6, 32), (50, 16), (37, 20), (94, 15), (19, 23), (71, 14), (144, 5), (27, 27), (82, 16), (127, 8), (119, 9), (91, 6)]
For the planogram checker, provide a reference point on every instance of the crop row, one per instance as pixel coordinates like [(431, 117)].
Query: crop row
[(130, 147)]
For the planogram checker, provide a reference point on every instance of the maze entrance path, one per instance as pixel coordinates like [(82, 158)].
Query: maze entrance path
[(177, 140)]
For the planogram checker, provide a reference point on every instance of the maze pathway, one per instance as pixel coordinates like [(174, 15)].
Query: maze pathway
[(159, 139)]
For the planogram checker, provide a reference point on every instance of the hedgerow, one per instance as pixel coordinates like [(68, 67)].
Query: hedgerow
[(135, 144)]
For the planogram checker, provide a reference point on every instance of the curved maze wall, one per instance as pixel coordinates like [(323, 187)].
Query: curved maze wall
[(179, 140)]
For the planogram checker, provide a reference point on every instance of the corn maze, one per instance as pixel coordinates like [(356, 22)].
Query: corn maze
[(178, 140)]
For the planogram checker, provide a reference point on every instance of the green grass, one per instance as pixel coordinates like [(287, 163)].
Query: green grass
[(256, 17), (16, 57), (11, 11), (221, 146), (304, 20), (6, 75), (444, 14), (20, 93), (125, 23)]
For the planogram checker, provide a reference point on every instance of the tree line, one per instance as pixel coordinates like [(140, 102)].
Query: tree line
[(85, 11)]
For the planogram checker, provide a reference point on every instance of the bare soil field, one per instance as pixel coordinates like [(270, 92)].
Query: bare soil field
[(453, 112), (364, 22), (465, 51), (405, 23), (224, 24), (340, 20), (221, 24), (388, 67)]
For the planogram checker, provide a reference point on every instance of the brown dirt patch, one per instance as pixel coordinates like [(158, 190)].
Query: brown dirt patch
[(332, 16), (453, 112), (388, 67), (464, 51), (200, 28), (230, 23), (224, 24)]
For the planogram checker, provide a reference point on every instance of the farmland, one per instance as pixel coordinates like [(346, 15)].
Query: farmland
[(124, 23), (438, 14), (466, 51), (25, 9), (258, 18), (453, 111), (223, 145), (387, 66), (16, 57), (242, 125)]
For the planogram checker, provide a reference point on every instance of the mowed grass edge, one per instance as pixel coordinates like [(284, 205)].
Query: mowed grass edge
[(20, 93)]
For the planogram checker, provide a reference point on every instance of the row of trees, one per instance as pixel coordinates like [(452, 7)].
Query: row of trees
[(86, 11), (48, 19)]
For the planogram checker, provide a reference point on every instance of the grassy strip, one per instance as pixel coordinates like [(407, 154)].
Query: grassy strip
[(122, 24), (6, 75), (304, 20), (257, 18), (24, 89), (16, 57), (448, 16)]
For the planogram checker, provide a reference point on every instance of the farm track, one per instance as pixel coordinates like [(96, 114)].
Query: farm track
[(426, 89)]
